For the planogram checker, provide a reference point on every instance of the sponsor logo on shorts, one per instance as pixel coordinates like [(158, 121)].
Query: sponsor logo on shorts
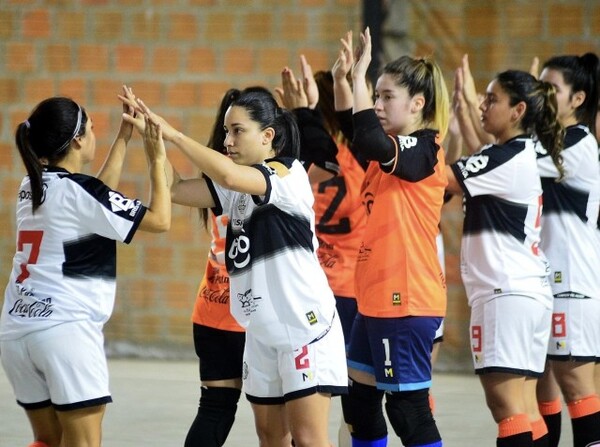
[(497, 291), (557, 277), (311, 317), (388, 372), (244, 371)]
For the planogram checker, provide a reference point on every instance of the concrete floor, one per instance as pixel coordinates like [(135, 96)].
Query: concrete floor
[(155, 401)]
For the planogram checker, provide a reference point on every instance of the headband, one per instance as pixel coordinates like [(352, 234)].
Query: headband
[(75, 132)]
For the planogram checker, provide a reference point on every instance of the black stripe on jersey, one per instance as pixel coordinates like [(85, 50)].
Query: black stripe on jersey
[(574, 134), (92, 257), (494, 214), (489, 158), (559, 198), (270, 231), (218, 208)]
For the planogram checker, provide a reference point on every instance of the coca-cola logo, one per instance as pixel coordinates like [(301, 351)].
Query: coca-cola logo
[(36, 309)]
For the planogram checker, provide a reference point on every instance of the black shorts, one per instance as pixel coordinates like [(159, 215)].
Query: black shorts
[(220, 352)]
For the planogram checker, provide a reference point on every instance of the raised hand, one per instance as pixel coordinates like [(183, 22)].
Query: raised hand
[(291, 93), (345, 60), (363, 55), (534, 69), (309, 83), (469, 90), (127, 98), (153, 138), (169, 133)]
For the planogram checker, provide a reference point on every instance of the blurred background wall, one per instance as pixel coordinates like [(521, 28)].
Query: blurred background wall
[(181, 55)]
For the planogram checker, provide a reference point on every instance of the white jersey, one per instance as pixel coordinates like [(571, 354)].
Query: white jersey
[(501, 232), (64, 268), (278, 290), (570, 217)]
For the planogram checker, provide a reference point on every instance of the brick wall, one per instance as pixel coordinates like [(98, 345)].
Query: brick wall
[(180, 56)]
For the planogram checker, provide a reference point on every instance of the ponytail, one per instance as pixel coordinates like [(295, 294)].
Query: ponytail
[(442, 102), (549, 130), (47, 134), (32, 164), (541, 111)]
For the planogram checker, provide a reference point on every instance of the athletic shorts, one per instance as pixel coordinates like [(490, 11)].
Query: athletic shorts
[(439, 334), (273, 377), (64, 366), (347, 310), (397, 351), (575, 331), (509, 334), (220, 352)]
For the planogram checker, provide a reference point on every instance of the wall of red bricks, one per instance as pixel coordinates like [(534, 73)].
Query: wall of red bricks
[(180, 56)]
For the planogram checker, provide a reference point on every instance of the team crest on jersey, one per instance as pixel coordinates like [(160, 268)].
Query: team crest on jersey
[(396, 299), (242, 203), (473, 164), (248, 302), (311, 317)]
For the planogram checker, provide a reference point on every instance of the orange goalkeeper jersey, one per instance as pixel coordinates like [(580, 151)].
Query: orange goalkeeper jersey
[(398, 273)]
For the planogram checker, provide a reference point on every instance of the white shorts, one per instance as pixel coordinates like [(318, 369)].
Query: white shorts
[(64, 366), (274, 377), (575, 331), (509, 334)]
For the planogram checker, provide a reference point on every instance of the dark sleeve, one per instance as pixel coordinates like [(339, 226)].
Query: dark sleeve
[(344, 118), (370, 140), (411, 158), (316, 145)]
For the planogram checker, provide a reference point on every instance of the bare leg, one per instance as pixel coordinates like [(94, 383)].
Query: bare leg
[(82, 428), (309, 420), (272, 426), (45, 426)]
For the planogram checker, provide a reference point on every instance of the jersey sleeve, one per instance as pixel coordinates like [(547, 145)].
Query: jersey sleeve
[(486, 172), (285, 190), (316, 145), (107, 212)]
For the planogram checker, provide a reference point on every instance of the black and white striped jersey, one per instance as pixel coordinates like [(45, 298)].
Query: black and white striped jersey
[(64, 268), (278, 289), (503, 200), (570, 216)]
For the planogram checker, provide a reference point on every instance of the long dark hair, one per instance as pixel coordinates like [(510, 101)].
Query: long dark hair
[(582, 74), (263, 109), (47, 135), (541, 112)]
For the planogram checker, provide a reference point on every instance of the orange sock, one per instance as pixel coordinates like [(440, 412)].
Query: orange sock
[(38, 444), (514, 425), (584, 406), (538, 428), (551, 407)]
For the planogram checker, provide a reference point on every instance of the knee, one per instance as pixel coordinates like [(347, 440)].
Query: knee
[(363, 412), (410, 416)]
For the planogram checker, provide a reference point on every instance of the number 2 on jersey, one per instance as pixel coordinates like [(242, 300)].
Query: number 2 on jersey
[(324, 225), (33, 238)]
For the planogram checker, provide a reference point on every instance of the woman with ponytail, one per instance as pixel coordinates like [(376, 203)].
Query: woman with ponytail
[(569, 239), (503, 269), (294, 358), (61, 289), (400, 286)]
